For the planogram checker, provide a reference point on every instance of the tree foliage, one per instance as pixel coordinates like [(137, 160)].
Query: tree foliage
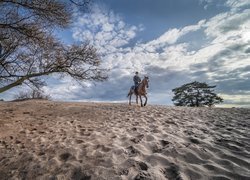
[(30, 50), (195, 94)]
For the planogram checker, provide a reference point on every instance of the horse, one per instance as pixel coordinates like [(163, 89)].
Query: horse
[(140, 91)]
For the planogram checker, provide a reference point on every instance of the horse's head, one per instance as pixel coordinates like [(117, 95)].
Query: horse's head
[(146, 81)]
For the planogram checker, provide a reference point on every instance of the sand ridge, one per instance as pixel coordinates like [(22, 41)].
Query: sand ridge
[(55, 140)]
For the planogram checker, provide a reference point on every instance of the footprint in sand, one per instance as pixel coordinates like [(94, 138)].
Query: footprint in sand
[(158, 148), (194, 140), (123, 172), (138, 166), (103, 148), (143, 166), (172, 172), (164, 143), (134, 129), (85, 132), (41, 153), (131, 151), (79, 141), (66, 156), (143, 175), (137, 139)]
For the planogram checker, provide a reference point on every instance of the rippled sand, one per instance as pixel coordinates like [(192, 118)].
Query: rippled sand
[(55, 140)]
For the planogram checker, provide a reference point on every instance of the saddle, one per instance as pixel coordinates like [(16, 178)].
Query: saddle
[(135, 88)]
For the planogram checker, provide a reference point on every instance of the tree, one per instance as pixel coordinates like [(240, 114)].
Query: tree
[(30, 50), (195, 94), (31, 94)]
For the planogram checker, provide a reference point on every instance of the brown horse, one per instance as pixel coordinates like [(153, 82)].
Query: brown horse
[(141, 91)]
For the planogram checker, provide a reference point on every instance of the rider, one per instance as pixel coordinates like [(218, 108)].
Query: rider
[(137, 80)]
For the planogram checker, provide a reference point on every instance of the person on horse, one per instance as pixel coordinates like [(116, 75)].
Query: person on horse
[(136, 80)]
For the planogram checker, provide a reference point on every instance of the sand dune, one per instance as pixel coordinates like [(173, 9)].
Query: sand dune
[(54, 140)]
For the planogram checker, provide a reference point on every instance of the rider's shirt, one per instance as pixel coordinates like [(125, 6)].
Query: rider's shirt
[(137, 80)]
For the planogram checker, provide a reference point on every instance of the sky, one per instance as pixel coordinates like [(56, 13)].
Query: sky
[(174, 42)]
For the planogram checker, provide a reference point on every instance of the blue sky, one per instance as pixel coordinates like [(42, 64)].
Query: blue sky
[(172, 41)]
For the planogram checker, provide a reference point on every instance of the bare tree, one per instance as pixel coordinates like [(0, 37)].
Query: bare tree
[(31, 94), (30, 51)]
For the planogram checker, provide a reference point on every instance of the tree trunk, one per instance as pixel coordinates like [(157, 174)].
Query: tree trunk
[(16, 83), (22, 79)]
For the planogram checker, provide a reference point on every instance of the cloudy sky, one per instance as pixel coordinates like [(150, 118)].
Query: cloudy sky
[(172, 41)]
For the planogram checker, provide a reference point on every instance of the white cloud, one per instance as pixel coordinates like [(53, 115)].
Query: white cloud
[(65, 90), (208, 3), (104, 29), (227, 39), (228, 25), (236, 4), (172, 35)]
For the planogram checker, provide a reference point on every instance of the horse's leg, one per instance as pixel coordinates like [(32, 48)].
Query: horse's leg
[(130, 98), (136, 99), (145, 100), (141, 101)]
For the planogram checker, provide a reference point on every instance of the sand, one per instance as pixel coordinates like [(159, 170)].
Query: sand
[(55, 140)]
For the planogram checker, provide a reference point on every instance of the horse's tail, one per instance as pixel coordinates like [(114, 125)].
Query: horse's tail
[(129, 93)]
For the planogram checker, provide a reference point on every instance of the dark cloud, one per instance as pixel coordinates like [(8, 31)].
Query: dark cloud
[(165, 78), (247, 51), (235, 86), (234, 82), (161, 82), (115, 89), (235, 23), (217, 62)]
